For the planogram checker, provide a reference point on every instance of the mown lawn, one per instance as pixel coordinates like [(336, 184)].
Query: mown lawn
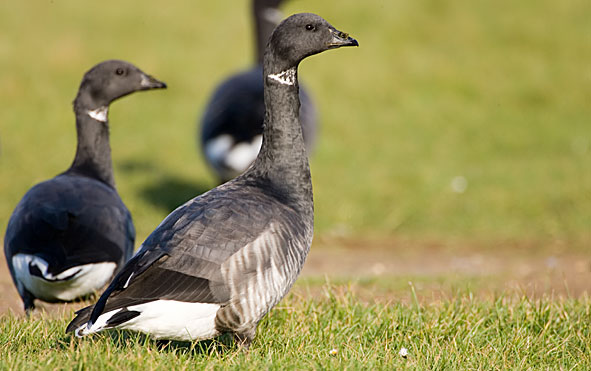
[(460, 123), (462, 120), (336, 330)]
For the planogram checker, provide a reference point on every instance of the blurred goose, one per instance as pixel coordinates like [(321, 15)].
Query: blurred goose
[(70, 234), (222, 260), (232, 125)]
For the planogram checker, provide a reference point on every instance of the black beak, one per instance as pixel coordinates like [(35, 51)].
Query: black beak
[(148, 82), (341, 39)]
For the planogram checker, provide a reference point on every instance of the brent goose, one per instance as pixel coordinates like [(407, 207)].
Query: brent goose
[(70, 234), (221, 261), (232, 124)]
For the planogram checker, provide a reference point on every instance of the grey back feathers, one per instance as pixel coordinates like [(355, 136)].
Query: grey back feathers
[(232, 124), (222, 260), (70, 234)]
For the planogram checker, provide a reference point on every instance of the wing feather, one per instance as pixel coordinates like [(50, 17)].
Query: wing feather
[(182, 259)]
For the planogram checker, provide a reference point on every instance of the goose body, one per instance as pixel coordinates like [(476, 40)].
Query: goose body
[(66, 238), (221, 261), (232, 124), (68, 235)]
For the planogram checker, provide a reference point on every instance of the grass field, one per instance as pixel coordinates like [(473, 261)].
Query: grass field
[(455, 128), (336, 331)]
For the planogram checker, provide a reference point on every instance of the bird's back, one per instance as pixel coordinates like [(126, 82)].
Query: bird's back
[(82, 217), (64, 223)]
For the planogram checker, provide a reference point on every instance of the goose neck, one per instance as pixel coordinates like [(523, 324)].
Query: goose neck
[(93, 151), (282, 162), (266, 16)]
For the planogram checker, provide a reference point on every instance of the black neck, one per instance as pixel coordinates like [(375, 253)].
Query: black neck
[(93, 154), (282, 159), (265, 23)]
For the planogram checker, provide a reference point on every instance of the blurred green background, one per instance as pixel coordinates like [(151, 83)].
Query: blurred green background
[(465, 122)]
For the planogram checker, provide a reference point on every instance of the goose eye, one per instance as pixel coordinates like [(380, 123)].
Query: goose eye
[(309, 27), (119, 71)]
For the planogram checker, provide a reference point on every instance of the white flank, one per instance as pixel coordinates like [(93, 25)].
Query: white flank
[(286, 77), (89, 278), (217, 148), (99, 114), (165, 319), (275, 273), (243, 154)]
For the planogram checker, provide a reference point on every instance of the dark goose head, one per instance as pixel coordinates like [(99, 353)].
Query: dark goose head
[(110, 80), (301, 36)]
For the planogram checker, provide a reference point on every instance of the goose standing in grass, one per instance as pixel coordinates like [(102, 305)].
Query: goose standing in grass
[(232, 125), (70, 234), (221, 261)]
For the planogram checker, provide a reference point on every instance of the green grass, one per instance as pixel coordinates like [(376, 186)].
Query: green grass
[(460, 333), (496, 93)]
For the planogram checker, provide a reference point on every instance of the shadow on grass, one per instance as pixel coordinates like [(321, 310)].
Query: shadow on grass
[(130, 166), (170, 192), (165, 191), (221, 345), (123, 339)]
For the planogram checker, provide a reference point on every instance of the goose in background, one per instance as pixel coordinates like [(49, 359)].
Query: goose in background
[(232, 125), (69, 235), (221, 261)]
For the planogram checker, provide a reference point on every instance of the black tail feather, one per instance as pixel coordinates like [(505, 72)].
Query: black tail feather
[(122, 316), (82, 316)]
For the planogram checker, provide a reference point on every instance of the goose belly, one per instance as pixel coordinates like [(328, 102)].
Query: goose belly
[(68, 285)]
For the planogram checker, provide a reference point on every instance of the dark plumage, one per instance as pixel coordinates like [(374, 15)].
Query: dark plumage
[(232, 125), (221, 261), (70, 234)]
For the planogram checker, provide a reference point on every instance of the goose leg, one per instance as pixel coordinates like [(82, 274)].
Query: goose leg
[(245, 338), (28, 301)]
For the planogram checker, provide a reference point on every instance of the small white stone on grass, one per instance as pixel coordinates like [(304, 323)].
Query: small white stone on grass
[(459, 184)]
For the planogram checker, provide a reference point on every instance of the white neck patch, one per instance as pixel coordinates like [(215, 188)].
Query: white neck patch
[(99, 114), (287, 77)]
